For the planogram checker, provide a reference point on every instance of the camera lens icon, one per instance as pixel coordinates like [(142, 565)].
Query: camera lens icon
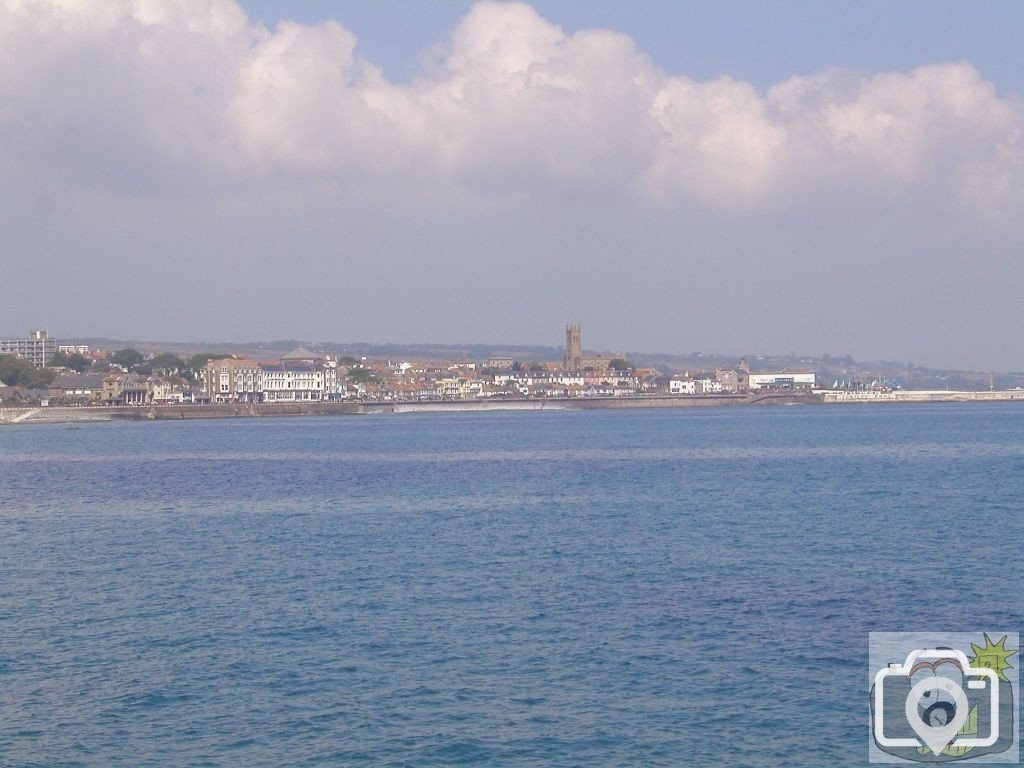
[(937, 723), (935, 706)]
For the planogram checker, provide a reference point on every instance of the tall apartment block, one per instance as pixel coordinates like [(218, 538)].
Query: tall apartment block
[(38, 348)]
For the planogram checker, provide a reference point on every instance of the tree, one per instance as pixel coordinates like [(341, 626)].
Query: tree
[(537, 367), (348, 360), (166, 362), (127, 358), (197, 364), (619, 364), (74, 361), (11, 368), (199, 360), (362, 376), (16, 372), (517, 366)]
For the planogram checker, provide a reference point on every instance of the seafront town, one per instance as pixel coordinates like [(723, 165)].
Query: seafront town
[(47, 373), (44, 380)]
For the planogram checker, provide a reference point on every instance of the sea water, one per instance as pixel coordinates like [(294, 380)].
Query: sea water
[(602, 588)]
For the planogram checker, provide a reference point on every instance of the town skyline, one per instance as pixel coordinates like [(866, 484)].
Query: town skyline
[(41, 377), (528, 351), (572, 354), (525, 351)]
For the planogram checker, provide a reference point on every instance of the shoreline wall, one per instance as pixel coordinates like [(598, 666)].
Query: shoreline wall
[(922, 396), (55, 414), (58, 413)]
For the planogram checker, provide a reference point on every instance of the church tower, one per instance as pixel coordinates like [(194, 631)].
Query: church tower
[(573, 348), (743, 375)]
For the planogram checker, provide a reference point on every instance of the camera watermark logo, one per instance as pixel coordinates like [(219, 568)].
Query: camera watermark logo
[(943, 698)]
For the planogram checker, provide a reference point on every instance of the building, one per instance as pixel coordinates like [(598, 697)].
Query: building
[(781, 380), (501, 363), (126, 389), (574, 359), (73, 349), (233, 380), (77, 387), (743, 375), (573, 348), (458, 388), (37, 348), (710, 386), (682, 387), (729, 379), (298, 376), (610, 377), (297, 381), (704, 385), (169, 390), (302, 375)]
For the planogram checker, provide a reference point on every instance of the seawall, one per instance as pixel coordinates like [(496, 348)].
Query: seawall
[(922, 396), (52, 414)]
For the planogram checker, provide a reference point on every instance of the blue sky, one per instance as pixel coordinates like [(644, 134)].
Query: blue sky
[(732, 177), (753, 40)]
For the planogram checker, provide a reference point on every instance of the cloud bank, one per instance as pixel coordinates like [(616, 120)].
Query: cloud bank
[(142, 94), (173, 169)]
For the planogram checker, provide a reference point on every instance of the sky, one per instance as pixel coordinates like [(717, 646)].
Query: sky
[(731, 177)]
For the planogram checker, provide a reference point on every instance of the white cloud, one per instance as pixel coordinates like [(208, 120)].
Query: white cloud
[(719, 142), (143, 94)]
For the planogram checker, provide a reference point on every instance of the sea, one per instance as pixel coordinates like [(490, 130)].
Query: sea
[(649, 587)]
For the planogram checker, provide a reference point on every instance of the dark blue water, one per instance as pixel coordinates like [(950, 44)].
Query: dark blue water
[(690, 587)]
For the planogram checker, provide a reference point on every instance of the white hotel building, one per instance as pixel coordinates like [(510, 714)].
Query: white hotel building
[(298, 381), (299, 376)]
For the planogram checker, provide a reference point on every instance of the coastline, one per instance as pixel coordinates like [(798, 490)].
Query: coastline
[(78, 414)]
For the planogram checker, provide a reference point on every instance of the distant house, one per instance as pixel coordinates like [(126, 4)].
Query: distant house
[(709, 386), (126, 389), (77, 387), (169, 390), (611, 377), (699, 386), (682, 387), (458, 388), (729, 379)]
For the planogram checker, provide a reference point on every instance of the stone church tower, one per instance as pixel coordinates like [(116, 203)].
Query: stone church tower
[(573, 348), (743, 375)]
